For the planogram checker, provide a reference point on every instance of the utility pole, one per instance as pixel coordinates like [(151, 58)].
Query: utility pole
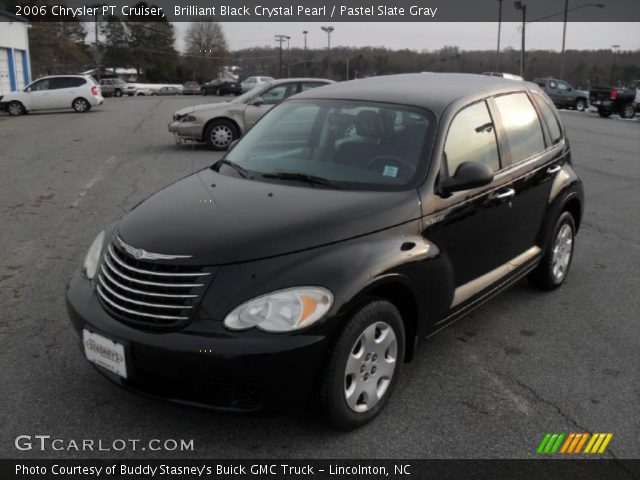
[(564, 36), (613, 61), (280, 39), (95, 24), (498, 62), (288, 56), (347, 63), (522, 6), (306, 61), (328, 30)]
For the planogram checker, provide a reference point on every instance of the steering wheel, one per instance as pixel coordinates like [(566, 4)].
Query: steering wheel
[(392, 159)]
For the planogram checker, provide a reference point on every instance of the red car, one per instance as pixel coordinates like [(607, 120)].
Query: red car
[(191, 88)]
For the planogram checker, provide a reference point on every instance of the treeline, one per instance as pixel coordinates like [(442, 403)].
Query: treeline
[(582, 68)]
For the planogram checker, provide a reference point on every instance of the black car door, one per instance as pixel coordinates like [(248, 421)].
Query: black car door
[(469, 227)]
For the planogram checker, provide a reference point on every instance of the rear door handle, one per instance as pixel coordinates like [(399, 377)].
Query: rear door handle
[(554, 169), (506, 194)]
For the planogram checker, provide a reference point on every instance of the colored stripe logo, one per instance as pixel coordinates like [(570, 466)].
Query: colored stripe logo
[(572, 443)]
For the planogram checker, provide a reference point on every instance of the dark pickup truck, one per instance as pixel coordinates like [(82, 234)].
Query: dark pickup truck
[(623, 101)]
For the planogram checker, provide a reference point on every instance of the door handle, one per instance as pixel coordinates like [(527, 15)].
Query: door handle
[(506, 194), (554, 169)]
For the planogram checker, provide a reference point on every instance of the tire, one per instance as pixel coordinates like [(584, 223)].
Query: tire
[(220, 133), (81, 105), (628, 111), (216, 92), (350, 400), (117, 93), (604, 112), (204, 93), (580, 105), (554, 267), (16, 109)]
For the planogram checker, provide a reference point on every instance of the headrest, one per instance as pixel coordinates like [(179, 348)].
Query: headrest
[(369, 124)]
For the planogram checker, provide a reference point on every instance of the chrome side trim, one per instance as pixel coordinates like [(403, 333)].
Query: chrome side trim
[(149, 272), (138, 302), (140, 292), (140, 254), (134, 312), (469, 289), (146, 282)]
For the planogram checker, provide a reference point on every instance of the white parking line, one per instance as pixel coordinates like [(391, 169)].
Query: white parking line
[(92, 181)]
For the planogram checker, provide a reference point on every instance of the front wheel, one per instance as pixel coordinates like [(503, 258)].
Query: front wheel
[(16, 109), (554, 267), (628, 111), (363, 366), (117, 93), (220, 133), (581, 105), (81, 105)]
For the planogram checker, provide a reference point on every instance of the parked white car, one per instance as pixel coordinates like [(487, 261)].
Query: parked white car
[(252, 82), (56, 92)]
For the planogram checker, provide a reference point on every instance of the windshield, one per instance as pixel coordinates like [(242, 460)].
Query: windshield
[(350, 144)]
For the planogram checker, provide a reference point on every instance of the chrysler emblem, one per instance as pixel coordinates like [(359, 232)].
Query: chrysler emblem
[(139, 253)]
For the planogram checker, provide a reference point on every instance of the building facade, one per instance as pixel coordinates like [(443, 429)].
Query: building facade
[(15, 67)]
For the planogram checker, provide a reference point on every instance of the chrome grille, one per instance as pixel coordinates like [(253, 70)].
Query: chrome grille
[(148, 294)]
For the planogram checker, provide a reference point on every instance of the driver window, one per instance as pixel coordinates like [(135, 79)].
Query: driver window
[(277, 94), (472, 138), (563, 86), (41, 85)]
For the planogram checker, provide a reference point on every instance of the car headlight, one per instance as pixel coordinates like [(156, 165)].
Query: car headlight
[(282, 311), (93, 256), (188, 118)]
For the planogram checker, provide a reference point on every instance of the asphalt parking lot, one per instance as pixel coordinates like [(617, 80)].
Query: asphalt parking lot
[(490, 386)]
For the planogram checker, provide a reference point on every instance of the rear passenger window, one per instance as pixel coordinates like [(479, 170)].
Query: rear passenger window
[(472, 138), (521, 124), (550, 119)]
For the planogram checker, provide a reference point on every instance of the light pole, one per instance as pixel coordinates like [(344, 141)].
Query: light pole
[(613, 61), (306, 62), (328, 30), (564, 29), (498, 66), (522, 6)]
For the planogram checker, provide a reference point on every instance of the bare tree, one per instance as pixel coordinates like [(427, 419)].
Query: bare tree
[(206, 50)]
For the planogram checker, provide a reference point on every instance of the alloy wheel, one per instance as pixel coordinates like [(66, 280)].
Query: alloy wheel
[(561, 253), (370, 367)]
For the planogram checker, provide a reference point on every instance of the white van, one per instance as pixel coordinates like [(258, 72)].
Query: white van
[(57, 92)]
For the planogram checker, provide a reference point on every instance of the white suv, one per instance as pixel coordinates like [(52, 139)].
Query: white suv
[(79, 92)]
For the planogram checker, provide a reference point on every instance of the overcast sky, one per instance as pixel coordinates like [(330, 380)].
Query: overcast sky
[(432, 36)]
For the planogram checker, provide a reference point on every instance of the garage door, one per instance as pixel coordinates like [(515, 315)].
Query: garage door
[(17, 54), (5, 82)]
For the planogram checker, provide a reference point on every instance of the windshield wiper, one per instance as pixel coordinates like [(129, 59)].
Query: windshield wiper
[(303, 177), (244, 173)]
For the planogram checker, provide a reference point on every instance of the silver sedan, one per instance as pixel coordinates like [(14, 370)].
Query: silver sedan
[(219, 124)]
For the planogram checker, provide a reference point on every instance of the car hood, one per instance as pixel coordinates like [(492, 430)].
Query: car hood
[(239, 220), (208, 107)]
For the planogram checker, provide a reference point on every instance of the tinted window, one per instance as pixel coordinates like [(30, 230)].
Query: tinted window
[(550, 119), (66, 82), (472, 138), (521, 124)]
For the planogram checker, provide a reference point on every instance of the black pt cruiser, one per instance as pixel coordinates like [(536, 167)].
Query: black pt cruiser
[(351, 221)]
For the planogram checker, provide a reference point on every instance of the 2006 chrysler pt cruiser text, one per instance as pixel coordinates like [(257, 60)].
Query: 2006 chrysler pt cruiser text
[(350, 221)]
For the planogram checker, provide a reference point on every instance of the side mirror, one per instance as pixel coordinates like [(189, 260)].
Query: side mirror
[(468, 175), (258, 101), (232, 145)]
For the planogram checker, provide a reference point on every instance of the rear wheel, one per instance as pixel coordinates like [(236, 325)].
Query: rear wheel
[(363, 366), (604, 112), (16, 108), (628, 111), (81, 105), (554, 267), (220, 133), (581, 105)]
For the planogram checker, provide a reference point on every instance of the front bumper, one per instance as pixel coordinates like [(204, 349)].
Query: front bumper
[(187, 130), (241, 371)]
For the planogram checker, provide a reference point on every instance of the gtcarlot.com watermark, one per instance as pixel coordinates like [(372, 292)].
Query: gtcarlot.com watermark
[(45, 443)]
